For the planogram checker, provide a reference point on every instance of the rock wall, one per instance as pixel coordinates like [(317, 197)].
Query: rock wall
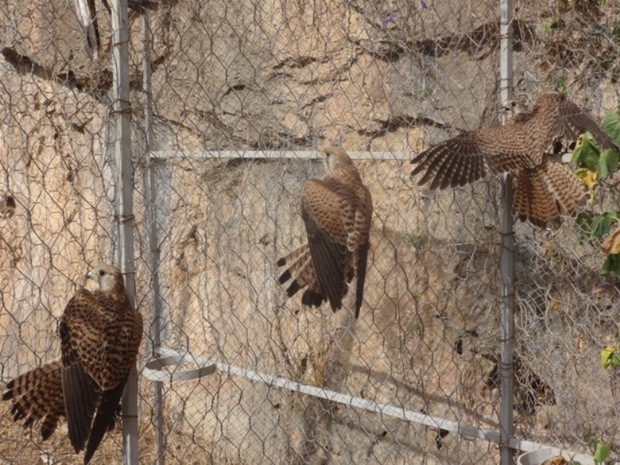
[(271, 75)]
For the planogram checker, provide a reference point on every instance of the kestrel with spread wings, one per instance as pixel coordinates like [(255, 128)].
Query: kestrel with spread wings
[(100, 334), (528, 147), (337, 212)]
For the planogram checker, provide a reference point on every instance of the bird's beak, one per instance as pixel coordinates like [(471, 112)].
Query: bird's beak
[(89, 275)]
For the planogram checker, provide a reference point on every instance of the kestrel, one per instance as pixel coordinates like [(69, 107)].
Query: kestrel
[(527, 147), (100, 334), (337, 212)]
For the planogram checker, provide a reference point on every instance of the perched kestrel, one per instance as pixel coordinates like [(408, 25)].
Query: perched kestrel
[(100, 334), (337, 211), (528, 147)]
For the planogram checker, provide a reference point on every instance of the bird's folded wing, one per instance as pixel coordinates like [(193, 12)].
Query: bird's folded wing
[(80, 333), (81, 397), (362, 259), (104, 419), (321, 211)]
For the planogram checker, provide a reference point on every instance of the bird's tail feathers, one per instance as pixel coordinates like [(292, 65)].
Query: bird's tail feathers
[(568, 189), (300, 272), (542, 193), (294, 255), (532, 199), (37, 396), (104, 421), (299, 268)]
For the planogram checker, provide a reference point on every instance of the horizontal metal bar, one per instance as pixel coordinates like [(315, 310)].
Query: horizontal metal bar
[(275, 155), (383, 409), (168, 369)]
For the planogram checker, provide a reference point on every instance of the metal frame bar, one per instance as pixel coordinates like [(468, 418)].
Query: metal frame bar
[(275, 155), (150, 196), (507, 273), (125, 218), (167, 368)]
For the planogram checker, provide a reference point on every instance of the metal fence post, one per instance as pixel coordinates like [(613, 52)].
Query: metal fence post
[(120, 65), (150, 193), (507, 325)]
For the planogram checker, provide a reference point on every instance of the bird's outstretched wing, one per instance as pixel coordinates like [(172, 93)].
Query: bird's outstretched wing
[(525, 147), (470, 156), (571, 121)]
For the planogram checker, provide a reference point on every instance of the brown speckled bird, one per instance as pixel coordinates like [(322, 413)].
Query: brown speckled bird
[(337, 212), (100, 334), (528, 147)]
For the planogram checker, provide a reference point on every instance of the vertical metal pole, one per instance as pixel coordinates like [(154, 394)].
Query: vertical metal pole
[(150, 197), (120, 65), (507, 330)]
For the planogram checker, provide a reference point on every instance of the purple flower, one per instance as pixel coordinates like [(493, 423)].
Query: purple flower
[(390, 19)]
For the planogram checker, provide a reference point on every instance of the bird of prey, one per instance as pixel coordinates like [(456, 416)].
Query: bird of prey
[(337, 212), (87, 16), (100, 334), (528, 146)]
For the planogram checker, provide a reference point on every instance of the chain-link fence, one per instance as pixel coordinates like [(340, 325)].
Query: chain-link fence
[(242, 93)]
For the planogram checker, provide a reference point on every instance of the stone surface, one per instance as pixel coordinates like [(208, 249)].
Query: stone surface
[(289, 75)]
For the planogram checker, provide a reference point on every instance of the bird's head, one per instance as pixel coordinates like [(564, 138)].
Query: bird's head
[(513, 108), (105, 278), (335, 158)]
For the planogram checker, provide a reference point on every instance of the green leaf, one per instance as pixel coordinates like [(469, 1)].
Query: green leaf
[(610, 357), (602, 453), (611, 124), (611, 266), (607, 162), (585, 153), (584, 221), (601, 224)]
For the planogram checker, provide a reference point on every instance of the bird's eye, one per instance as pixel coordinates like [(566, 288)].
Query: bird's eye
[(101, 272), (514, 104)]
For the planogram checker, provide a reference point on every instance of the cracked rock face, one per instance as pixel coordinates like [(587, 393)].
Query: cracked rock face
[(243, 75), (280, 76)]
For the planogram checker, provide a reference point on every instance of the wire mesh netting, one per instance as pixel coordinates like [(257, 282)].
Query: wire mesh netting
[(242, 92)]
